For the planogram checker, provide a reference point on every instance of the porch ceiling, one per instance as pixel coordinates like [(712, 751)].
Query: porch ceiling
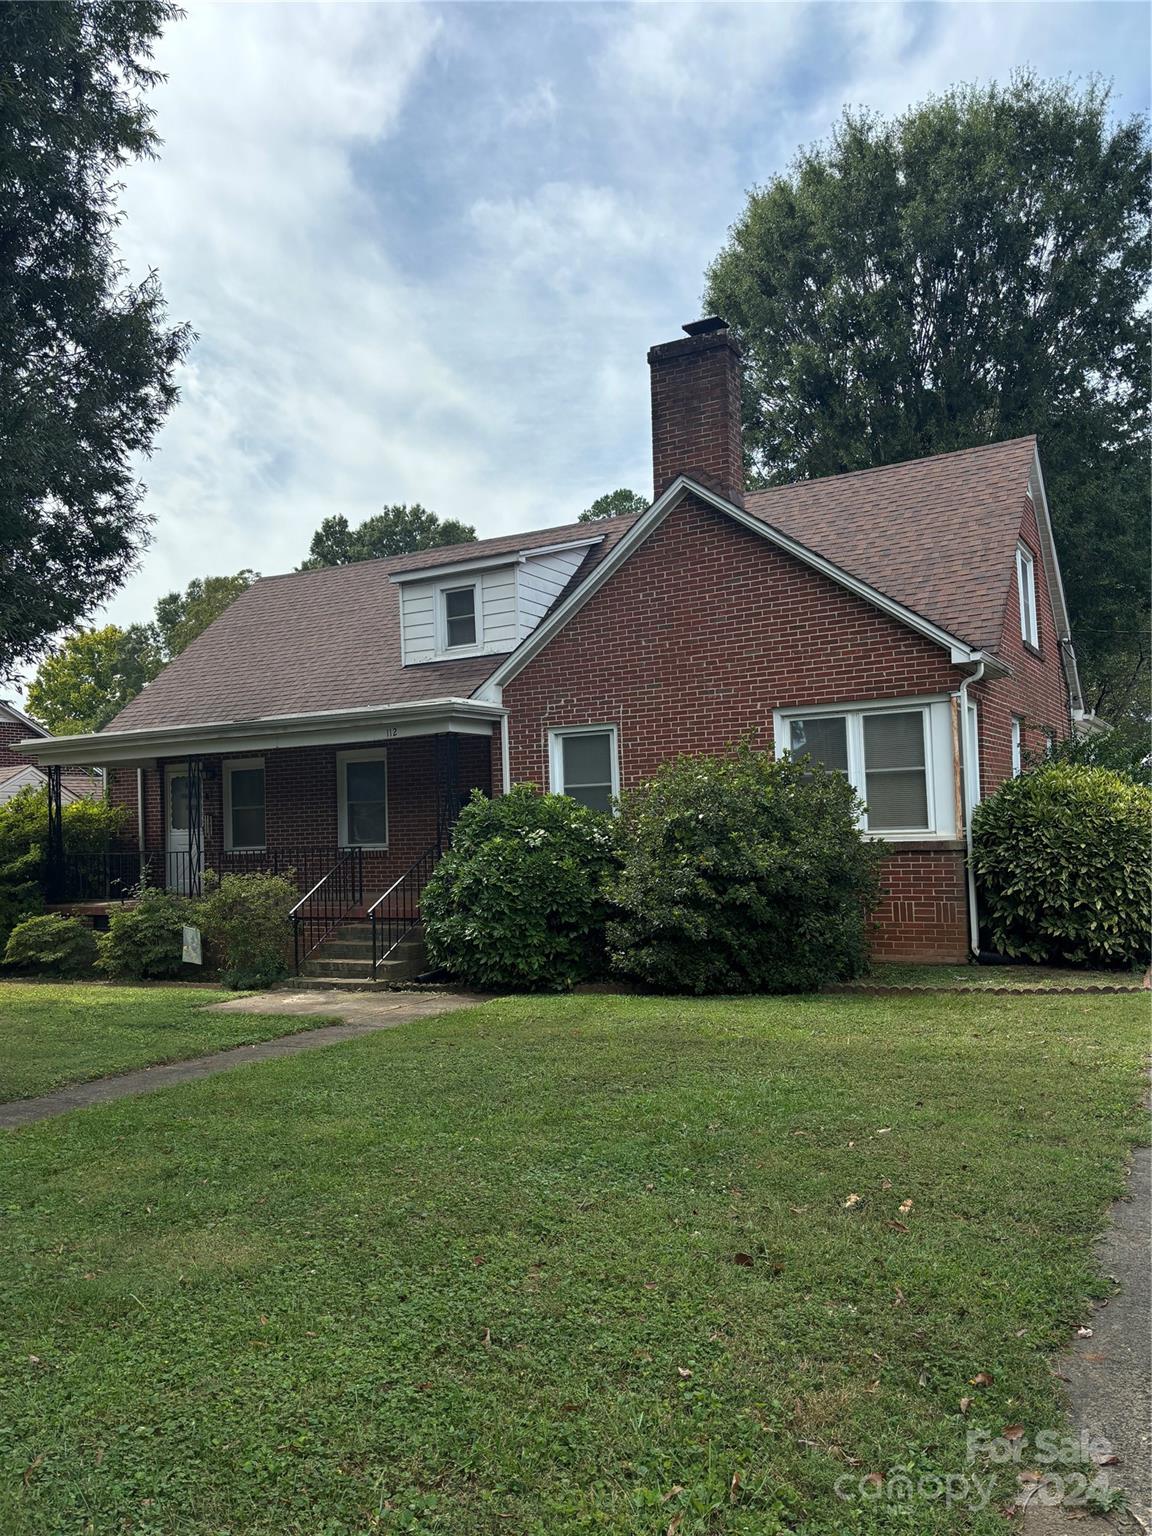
[(392, 722)]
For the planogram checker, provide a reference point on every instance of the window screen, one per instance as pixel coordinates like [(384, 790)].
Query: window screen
[(246, 800), (586, 768), (895, 777), (460, 616), (366, 802)]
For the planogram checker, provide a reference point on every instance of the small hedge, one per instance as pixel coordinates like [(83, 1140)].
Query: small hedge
[(146, 941), (516, 903), (742, 873), (1061, 857), (51, 946), (245, 923), (89, 826)]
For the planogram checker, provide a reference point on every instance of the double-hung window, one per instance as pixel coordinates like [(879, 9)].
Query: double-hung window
[(245, 818), (885, 755), (362, 798), (458, 617), (1017, 745), (584, 764), (1026, 587)]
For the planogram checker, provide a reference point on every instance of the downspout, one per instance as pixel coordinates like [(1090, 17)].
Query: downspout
[(140, 841), (966, 751)]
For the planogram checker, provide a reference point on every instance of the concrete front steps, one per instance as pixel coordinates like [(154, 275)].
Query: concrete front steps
[(344, 958)]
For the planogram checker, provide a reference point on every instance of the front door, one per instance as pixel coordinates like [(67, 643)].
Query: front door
[(182, 867)]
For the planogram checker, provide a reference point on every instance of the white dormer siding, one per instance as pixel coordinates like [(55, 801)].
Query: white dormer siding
[(509, 595)]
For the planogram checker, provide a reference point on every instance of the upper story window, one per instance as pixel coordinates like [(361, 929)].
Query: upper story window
[(459, 615), (244, 803), (1026, 587), (1017, 745), (885, 755), (584, 764)]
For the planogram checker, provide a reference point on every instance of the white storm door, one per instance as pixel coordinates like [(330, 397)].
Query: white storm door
[(178, 836)]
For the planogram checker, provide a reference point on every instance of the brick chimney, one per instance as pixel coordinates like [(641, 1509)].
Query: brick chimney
[(696, 410)]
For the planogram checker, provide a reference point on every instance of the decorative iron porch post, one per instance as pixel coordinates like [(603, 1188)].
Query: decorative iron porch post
[(195, 825), (54, 873), (448, 796)]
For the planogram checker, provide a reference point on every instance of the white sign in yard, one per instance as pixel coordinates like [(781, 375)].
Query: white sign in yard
[(192, 955)]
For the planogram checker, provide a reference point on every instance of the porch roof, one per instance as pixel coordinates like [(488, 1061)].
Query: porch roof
[(378, 723)]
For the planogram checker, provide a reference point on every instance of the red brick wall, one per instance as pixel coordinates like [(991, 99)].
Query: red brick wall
[(923, 915), (301, 799), (697, 638), (1036, 692), (12, 731)]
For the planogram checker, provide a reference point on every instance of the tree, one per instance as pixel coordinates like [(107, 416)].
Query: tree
[(974, 270), (621, 503), (86, 357), (92, 676), (397, 530), (181, 616)]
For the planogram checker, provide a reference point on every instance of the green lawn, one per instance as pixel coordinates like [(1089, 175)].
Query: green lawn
[(986, 978), (569, 1265), (52, 1034)]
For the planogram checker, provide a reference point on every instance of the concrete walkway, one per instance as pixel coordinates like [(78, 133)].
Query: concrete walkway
[(361, 1013), (1108, 1376)]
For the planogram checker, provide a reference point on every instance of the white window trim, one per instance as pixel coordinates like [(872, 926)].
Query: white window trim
[(1026, 578), (363, 755), (1017, 746), (231, 766), (556, 754), (442, 647), (940, 787)]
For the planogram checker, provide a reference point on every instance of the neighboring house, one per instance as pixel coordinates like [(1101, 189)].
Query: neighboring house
[(18, 771), (905, 625)]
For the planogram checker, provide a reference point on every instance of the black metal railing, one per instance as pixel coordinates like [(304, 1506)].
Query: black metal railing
[(395, 914), (334, 897), (115, 875)]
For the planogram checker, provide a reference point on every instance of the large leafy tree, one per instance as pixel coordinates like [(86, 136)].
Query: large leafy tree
[(621, 503), (974, 270), (181, 616), (86, 357), (90, 677), (397, 530)]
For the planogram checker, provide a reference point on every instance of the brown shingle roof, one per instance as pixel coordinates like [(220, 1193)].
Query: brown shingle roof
[(327, 639), (936, 534)]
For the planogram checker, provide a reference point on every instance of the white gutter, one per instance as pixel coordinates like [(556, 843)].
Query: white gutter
[(967, 749)]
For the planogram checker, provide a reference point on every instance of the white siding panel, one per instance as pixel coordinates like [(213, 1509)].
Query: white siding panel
[(541, 581), (417, 623)]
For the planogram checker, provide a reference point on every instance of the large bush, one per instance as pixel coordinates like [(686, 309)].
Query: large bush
[(516, 902), (1061, 857), (244, 919), (89, 826), (146, 941), (742, 873), (51, 946)]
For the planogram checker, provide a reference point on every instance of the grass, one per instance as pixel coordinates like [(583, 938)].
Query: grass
[(70, 1032), (559, 1266), (986, 978)]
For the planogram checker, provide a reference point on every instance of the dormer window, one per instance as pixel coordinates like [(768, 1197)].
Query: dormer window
[(1026, 586), (459, 616)]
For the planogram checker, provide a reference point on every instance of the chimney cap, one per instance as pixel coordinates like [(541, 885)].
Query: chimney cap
[(705, 327)]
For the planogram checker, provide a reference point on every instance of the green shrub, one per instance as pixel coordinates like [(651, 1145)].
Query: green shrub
[(89, 826), (51, 946), (741, 873), (516, 902), (244, 919), (146, 940), (1061, 857)]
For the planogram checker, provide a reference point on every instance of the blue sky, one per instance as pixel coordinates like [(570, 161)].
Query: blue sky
[(426, 248)]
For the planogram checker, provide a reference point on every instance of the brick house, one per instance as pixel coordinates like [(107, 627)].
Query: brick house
[(19, 771), (905, 625)]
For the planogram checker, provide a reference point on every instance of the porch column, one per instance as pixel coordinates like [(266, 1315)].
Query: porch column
[(54, 873), (448, 797), (195, 770)]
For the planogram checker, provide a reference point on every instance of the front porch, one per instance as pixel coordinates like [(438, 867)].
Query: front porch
[(356, 824)]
